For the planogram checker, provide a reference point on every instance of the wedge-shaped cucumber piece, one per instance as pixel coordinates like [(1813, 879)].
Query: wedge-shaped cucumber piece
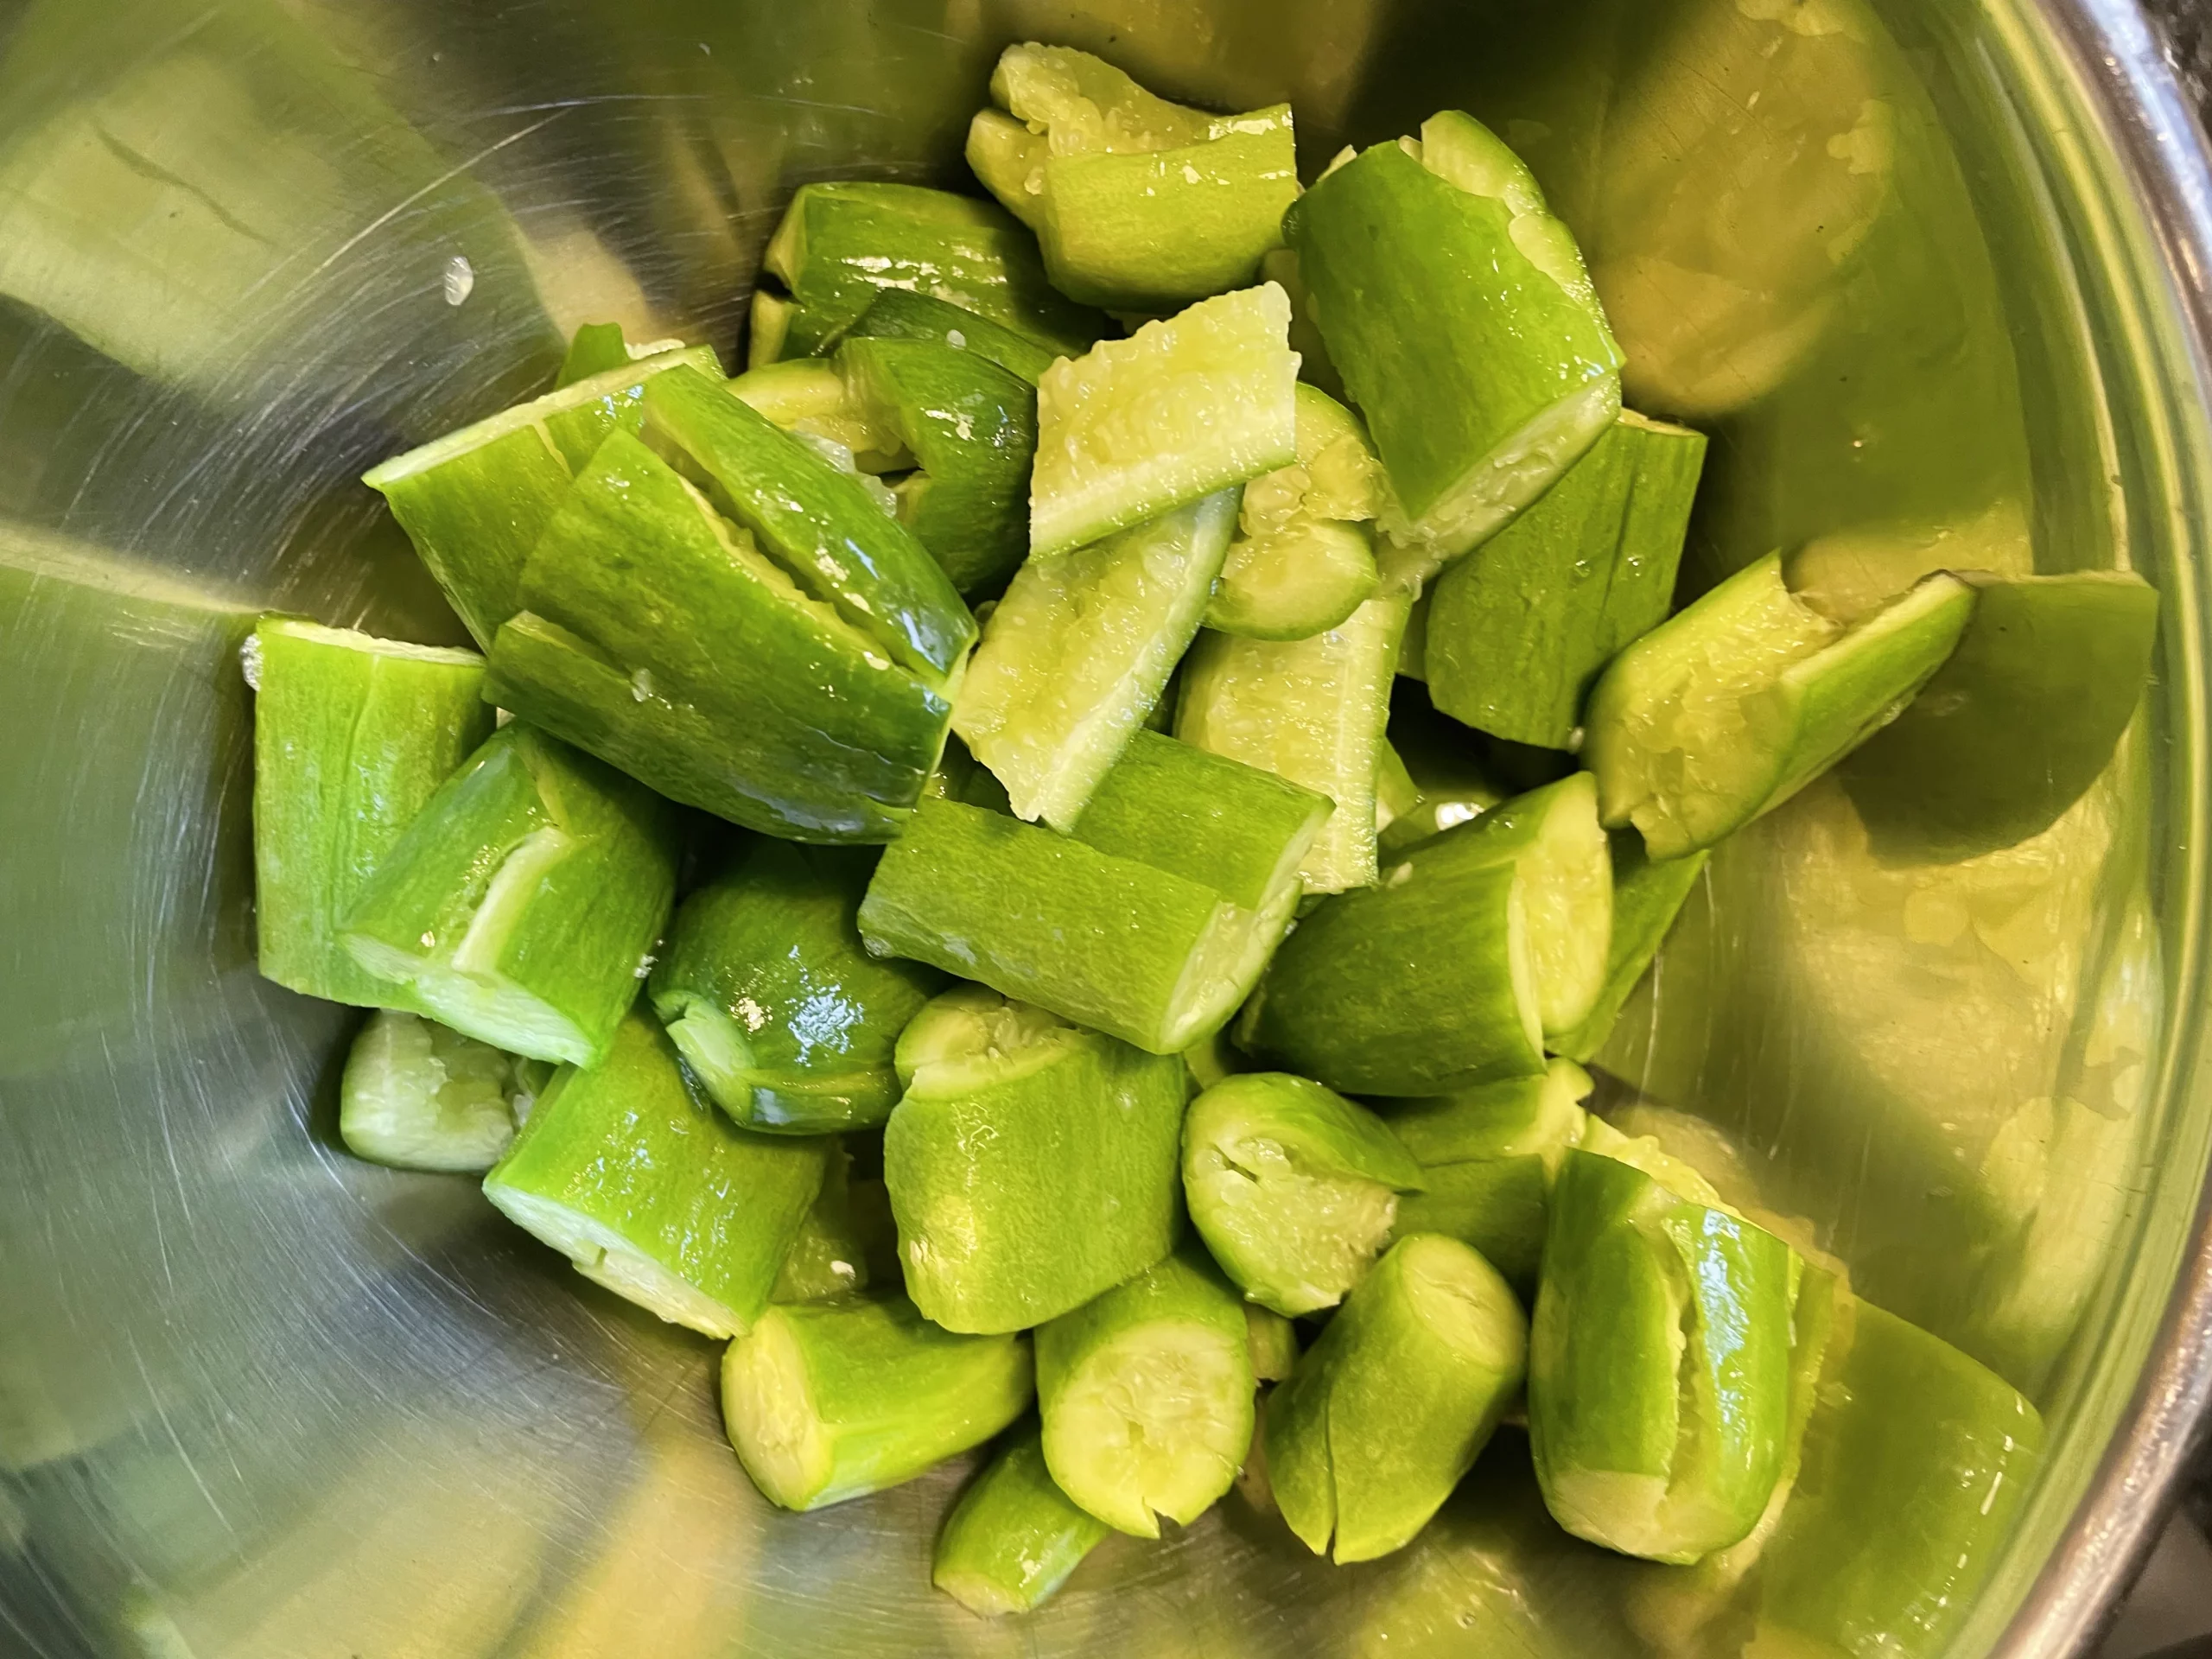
[(1390, 1407), (807, 397), (1273, 1343), (476, 501), (1078, 651), (2016, 724), (1488, 1157), (652, 1192), (1659, 1367), (522, 904), (1311, 710), (899, 314), (351, 735), (841, 244), (1139, 426), (1014, 1537), (1031, 1164), (1147, 1396), (772, 999), (1647, 894), (1292, 1186), (659, 638), (1516, 638), (1730, 707), (417, 1095), (1458, 310), (1303, 557), (847, 1241), (829, 1401), (971, 427)]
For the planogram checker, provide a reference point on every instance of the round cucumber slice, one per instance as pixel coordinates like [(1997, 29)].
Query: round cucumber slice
[(1302, 562)]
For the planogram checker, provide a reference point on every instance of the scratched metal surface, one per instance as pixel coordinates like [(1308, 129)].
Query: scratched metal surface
[(256, 1398)]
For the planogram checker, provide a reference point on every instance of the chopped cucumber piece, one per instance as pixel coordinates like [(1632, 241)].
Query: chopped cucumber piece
[(1303, 560), (1727, 710), (781, 1012), (841, 244), (1516, 638), (808, 398), (597, 347), (1078, 651), (1031, 1164), (1311, 710), (768, 325), (1647, 894), (1008, 161), (829, 1401), (1139, 426), (522, 905), (652, 1192), (1081, 104), (1659, 1368), (419, 1096), (660, 639), (1293, 1187), (846, 1243), (1552, 834), (1147, 1396), (2017, 725), (898, 314), (475, 502), (1273, 1341), (1458, 310), (1014, 1537), (971, 427), (351, 735), (1390, 1407)]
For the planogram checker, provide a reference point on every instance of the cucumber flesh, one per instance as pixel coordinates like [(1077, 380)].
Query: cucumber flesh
[(418, 1096), (1647, 894), (1014, 1537), (1008, 161), (1553, 836), (809, 398), (1086, 105)]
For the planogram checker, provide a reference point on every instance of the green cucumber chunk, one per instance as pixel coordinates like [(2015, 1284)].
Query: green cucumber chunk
[(652, 1192), (847, 1241), (1014, 1537), (1393, 1403), (1304, 559), (1147, 1396), (1183, 408), (351, 735), (2016, 724), (1647, 894), (417, 1095), (1293, 1187), (900, 314), (1516, 638), (1079, 650), (1273, 1340), (1730, 707), (841, 244), (657, 638), (781, 1012), (1313, 711), (1659, 1367), (807, 397), (829, 1401), (475, 502), (1031, 1168), (595, 348), (522, 905), (1008, 161)]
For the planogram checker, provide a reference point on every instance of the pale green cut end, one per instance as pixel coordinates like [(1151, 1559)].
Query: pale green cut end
[(712, 1045), (979, 1593), (1088, 106), (1568, 881), (1224, 967), (1460, 150), (768, 326), (487, 1007), (1464, 1303), (605, 1257), (769, 1413), (368, 645), (1623, 1512), (813, 398), (1009, 159), (1156, 1424), (1644, 1153), (1296, 1238), (418, 1096), (971, 1038)]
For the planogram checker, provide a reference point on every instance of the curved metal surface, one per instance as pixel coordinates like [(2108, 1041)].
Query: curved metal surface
[(1932, 271)]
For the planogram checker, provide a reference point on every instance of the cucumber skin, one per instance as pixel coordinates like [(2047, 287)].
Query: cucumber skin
[(348, 746), (902, 314), (1013, 1536)]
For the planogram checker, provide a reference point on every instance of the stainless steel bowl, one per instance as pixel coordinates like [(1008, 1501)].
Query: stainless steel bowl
[(1933, 272)]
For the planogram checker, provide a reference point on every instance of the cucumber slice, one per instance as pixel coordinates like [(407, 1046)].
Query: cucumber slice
[(1647, 894), (771, 998), (841, 244), (1147, 1396), (475, 502), (1014, 1537), (829, 1401), (1080, 649), (808, 398), (896, 313), (658, 639), (1458, 311), (1139, 426), (1030, 1168), (2017, 725), (418, 1096), (1293, 1187), (1730, 707), (652, 1193), (351, 735), (1303, 560), (522, 905), (1516, 638), (1658, 1427), (1393, 1403), (847, 1241), (1311, 710), (1273, 1341)]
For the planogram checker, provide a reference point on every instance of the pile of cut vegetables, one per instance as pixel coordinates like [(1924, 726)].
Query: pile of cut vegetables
[(980, 863)]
